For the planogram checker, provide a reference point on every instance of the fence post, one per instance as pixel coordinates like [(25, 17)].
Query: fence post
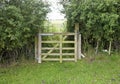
[(36, 47), (76, 51), (77, 43), (79, 47), (39, 48), (77, 40)]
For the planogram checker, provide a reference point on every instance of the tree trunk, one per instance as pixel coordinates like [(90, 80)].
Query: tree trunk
[(97, 46)]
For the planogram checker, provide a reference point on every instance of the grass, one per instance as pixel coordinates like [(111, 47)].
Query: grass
[(100, 69)]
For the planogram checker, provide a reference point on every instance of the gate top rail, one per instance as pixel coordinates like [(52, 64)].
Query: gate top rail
[(50, 34)]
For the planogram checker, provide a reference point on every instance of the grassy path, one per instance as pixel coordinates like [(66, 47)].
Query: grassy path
[(101, 70)]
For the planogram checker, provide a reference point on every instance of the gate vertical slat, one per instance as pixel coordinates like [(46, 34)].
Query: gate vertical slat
[(60, 48)]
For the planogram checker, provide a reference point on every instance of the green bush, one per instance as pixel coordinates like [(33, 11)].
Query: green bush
[(20, 21)]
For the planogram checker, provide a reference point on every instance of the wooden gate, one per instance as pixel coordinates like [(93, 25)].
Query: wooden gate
[(66, 48)]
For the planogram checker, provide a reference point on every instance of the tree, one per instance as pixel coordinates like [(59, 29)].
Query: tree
[(20, 21), (99, 19)]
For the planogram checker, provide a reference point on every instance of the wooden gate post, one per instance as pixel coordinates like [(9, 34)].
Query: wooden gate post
[(76, 27), (76, 51), (36, 47), (39, 48), (78, 41), (79, 47)]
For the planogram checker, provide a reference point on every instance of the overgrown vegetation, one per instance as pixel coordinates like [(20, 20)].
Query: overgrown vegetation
[(99, 22), (20, 21), (101, 69)]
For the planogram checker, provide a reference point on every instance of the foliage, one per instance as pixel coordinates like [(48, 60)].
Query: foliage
[(99, 19), (20, 21)]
